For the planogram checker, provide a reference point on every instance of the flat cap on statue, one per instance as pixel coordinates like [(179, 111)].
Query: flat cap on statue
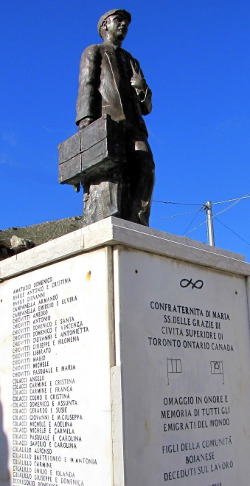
[(120, 11)]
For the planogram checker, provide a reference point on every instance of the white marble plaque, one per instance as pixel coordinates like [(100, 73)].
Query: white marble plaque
[(5, 392), (59, 391), (185, 372)]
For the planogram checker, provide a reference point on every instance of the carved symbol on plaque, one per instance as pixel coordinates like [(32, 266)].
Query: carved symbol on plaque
[(184, 283), (217, 369), (174, 366)]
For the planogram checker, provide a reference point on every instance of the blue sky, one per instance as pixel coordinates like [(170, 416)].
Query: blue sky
[(195, 57)]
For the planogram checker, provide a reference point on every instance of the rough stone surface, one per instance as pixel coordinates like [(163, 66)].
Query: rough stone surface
[(41, 233)]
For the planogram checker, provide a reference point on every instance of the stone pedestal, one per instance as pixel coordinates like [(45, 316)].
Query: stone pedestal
[(124, 361)]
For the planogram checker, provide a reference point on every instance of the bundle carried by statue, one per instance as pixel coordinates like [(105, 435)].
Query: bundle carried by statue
[(97, 148)]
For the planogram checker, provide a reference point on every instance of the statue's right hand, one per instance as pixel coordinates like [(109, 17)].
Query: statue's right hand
[(85, 122)]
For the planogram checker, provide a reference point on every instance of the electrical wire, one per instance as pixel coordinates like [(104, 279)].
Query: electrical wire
[(199, 204), (236, 198), (230, 229), (179, 203), (197, 212), (234, 201), (228, 207), (174, 216), (213, 216), (193, 229)]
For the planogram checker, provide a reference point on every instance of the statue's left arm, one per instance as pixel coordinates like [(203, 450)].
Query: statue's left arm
[(143, 92)]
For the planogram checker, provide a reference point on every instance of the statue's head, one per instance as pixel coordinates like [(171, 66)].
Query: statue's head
[(114, 24)]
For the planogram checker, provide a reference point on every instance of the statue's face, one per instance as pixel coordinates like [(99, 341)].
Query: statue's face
[(117, 25)]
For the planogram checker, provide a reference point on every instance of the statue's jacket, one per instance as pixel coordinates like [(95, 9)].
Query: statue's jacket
[(105, 88)]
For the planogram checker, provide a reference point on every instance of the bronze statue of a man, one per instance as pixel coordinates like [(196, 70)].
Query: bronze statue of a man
[(111, 82)]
